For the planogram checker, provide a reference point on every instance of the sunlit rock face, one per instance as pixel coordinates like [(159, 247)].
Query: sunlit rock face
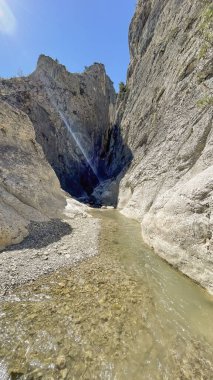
[(166, 120), (72, 115), (29, 188)]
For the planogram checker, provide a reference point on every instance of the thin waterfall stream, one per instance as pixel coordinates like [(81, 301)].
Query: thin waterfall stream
[(124, 314)]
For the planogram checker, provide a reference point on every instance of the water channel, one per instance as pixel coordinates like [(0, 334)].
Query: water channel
[(125, 314)]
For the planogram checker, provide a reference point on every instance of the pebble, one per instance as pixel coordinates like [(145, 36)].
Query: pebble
[(63, 373), (61, 362), (82, 243), (62, 284)]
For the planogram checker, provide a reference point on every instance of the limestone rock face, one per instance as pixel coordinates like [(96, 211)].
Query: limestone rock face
[(29, 188), (166, 119), (58, 117), (72, 115)]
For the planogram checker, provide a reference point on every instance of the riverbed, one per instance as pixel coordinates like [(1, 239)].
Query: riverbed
[(124, 314)]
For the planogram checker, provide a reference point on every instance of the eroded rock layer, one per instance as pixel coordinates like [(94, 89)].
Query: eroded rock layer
[(72, 115), (166, 120)]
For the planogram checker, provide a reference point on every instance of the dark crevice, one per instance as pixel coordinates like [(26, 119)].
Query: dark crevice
[(108, 164)]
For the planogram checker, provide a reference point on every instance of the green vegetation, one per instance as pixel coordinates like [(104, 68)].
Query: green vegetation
[(122, 88), (206, 30), (203, 51), (123, 91), (202, 76), (205, 101)]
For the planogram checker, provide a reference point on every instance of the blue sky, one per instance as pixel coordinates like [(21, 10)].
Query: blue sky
[(76, 32)]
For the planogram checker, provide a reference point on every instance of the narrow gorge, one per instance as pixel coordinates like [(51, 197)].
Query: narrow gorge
[(149, 152), (71, 148)]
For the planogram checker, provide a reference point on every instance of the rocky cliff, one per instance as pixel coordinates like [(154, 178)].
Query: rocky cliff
[(51, 118), (165, 117), (150, 151), (72, 115), (29, 188)]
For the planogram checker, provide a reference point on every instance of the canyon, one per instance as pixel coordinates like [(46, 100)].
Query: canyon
[(147, 151)]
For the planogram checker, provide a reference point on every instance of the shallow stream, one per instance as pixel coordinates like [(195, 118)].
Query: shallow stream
[(125, 314)]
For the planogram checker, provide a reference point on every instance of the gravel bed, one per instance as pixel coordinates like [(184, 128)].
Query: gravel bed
[(49, 246)]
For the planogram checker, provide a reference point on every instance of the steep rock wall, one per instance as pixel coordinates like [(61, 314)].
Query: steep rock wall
[(166, 120), (72, 115), (29, 188), (58, 117)]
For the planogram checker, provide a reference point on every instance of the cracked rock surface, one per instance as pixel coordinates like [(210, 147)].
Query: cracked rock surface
[(72, 115), (166, 119)]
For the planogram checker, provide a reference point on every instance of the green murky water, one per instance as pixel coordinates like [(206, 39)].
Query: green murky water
[(125, 314)]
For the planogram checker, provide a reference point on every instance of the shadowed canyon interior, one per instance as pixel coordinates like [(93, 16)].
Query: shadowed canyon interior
[(147, 150)]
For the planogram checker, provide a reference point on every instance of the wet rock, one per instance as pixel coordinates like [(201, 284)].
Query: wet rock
[(87, 334), (64, 373), (89, 355), (62, 284), (16, 374), (61, 362)]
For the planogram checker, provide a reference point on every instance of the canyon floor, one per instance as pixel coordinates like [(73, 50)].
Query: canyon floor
[(49, 246), (122, 314)]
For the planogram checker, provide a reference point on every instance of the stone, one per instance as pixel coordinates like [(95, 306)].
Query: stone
[(166, 120), (71, 115), (64, 373), (61, 362), (29, 188), (16, 374), (34, 134), (62, 284)]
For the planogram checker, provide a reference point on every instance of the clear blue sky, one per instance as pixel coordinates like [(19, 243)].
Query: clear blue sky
[(76, 32)]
